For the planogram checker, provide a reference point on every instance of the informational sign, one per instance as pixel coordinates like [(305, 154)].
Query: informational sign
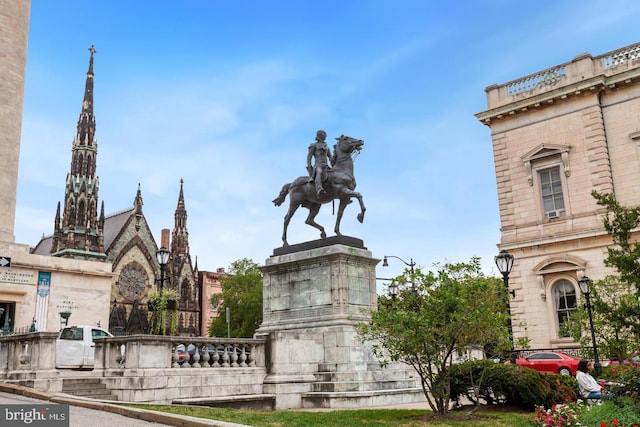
[(5, 261), (18, 275)]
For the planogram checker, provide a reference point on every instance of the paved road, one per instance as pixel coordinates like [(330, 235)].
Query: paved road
[(80, 417)]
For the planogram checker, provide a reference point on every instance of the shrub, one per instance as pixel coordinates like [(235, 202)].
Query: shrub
[(503, 383), (621, 413)]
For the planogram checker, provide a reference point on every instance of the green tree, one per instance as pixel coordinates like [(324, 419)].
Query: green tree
[(434, 316), (242, 293), (615, 319), (614, 298), (621, 222)]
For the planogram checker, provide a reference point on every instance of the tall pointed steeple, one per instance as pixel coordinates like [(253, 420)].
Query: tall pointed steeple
[(180, 235), (80, 233)]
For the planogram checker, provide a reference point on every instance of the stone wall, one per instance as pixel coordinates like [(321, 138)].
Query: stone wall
[(86, 283)]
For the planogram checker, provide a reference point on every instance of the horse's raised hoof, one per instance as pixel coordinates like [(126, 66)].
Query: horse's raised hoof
[(360, 217)]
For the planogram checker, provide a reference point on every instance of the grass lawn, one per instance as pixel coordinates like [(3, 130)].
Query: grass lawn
[(344, 418)]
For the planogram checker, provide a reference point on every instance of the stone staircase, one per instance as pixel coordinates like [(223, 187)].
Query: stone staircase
[(91, 388), (374, 387)]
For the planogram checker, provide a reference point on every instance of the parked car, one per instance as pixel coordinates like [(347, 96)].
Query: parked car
[(75, 346), (633, 362), (184, 354), (554, 362)]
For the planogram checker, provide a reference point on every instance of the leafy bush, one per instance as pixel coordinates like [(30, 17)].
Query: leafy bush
[(622, 413), (484, 380)]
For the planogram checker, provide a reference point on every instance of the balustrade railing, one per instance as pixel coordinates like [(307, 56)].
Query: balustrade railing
[(571, 351), (546, 77), (199, 354), (583, 68), (620, 56), (152, 351)]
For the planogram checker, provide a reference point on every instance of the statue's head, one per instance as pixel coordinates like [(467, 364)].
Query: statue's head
[(322, 135)]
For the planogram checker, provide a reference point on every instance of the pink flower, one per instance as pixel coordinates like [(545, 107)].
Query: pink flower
[(603, 424), (614, 422)]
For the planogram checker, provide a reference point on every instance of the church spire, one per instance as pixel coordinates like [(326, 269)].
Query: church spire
[(180, 235), (87, 121), (81, 233)]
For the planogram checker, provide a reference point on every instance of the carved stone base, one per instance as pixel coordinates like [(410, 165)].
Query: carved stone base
[(314, 294)]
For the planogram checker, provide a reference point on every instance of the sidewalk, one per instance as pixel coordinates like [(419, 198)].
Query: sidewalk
[(86, 412)]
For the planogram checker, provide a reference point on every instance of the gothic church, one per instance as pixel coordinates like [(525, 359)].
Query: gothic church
[(123, 239)]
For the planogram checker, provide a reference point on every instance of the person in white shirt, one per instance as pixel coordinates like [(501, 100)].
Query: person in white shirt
[(589, 387)]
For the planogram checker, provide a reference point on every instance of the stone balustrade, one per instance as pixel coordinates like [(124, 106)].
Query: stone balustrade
[(30, 359), (546, 77), (23, 354), (621, 56), (583, 73), (155, 351)]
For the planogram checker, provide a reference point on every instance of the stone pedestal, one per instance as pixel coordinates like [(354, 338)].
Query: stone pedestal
[(314, 295), (320, 286)]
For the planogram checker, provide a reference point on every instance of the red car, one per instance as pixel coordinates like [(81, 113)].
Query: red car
[(553, 362)]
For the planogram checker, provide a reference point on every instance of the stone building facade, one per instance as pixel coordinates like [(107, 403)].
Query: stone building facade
[(557, 135)]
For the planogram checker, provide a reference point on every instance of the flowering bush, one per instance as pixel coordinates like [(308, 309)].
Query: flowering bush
[(615, 423), (559, 415)]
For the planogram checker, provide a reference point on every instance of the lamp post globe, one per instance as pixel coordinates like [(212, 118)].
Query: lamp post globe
[(163, 258)]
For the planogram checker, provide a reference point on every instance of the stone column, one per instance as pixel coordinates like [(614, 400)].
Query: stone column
[(14, 25)]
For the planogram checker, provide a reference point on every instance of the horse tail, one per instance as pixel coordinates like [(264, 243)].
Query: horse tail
[(283, 195)]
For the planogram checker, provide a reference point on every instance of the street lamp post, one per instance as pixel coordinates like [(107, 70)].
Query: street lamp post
[(65, 312), (504, 262), (411, 264), (584, 284), (163, 258)]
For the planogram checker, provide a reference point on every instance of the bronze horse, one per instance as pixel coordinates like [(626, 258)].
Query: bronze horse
[(339, 184)]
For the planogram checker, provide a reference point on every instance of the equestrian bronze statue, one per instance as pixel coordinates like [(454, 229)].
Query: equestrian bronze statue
[(338, 182)]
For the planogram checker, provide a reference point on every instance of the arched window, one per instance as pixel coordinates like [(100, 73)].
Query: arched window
[(564, 293), (81, 214), (185, 294)]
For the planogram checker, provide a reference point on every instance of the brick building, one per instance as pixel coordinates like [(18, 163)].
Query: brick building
[(209, 283)]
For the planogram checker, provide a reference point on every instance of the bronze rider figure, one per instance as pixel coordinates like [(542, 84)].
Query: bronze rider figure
[(321, 153)]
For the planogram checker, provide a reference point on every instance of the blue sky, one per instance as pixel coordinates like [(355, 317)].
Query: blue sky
[(229, 94)]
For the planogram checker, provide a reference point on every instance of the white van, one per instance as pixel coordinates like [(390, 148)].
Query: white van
[(75, 348)]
